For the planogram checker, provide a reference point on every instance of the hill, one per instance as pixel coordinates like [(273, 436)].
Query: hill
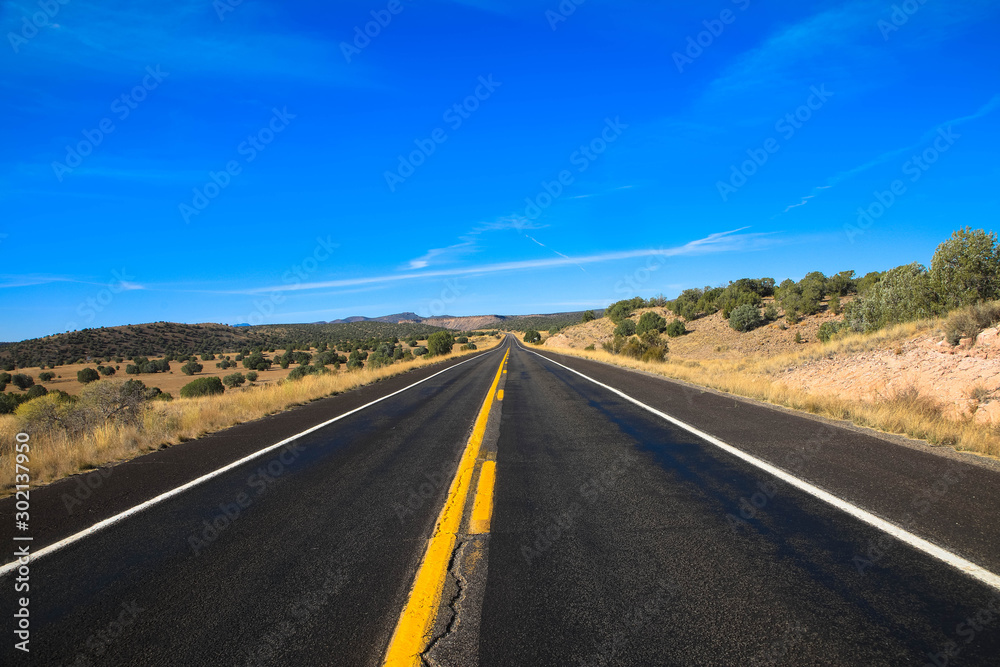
[(158, 338)]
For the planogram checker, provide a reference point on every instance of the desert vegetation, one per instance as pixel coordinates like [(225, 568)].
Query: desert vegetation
[(113, 420)]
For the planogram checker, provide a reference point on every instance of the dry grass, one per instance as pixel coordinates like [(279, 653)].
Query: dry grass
[(55, 455), (906, 412)]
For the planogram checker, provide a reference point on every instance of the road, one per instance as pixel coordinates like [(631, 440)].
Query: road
[(616, 537)]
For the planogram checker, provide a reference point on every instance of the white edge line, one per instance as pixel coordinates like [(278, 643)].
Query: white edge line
[(954, 560), (110, 521)]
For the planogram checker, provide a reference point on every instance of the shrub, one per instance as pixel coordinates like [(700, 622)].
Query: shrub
[(621, 310), (966, 268), (745, 317), (190, 368), (87, 375), (251, 376), (588, 315), (968, 322), (771, 312), (625, 328), (46, 376), (4, 378), (676, 328), (440, 342), (827, 330), (132, 369), (234, 380), (206, 386), (462, 339), (650, 321), (798, 337), (590, 347), (532, 336), (8, 366), (22, 381), (615, 345), (835, 304), (903, 294), (36, 391), (469, 346), (257, 362), (106, 370), (208, 357), (420, 351)]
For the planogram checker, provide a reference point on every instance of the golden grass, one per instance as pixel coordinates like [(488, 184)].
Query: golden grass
[(55, 455), (907, 412)]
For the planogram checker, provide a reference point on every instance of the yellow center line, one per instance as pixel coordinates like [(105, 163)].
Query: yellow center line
[(482, 510), (413, 630)]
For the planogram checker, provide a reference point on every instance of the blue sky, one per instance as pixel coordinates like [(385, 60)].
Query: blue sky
[(268, 162)]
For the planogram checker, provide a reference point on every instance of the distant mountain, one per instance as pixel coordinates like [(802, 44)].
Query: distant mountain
[(392, 319)]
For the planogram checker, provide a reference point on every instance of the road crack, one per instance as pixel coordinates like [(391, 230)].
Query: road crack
[(461, 585)]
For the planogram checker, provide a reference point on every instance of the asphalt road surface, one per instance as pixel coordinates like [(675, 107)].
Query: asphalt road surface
[(616, 536)]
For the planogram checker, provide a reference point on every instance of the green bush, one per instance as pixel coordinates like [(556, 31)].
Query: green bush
[(745, 317), (106, 370), (420, 351), (835, 304), (87, 375), (771, 312), (676, 328), (469, 346), (615, 345), (251, 376), (462, 339), (440, 342), (35, 391), (827, 330), (190, 368), (903, 294), (590, 347), (625, 328), (621, 310), (5, 378), (46, 376), (588, 315), (257, 362), (650, 321), (966, 268), (234, 380), (22, 381), (206, 386), (532, 336)]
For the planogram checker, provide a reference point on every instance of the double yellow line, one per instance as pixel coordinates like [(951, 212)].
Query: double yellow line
[(413, 630)]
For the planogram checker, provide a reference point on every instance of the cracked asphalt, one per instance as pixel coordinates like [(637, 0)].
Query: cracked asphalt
[(616, 537)]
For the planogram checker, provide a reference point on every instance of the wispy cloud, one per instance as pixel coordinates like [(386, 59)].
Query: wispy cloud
[(469, 242), (714, 243), (928, 136)]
